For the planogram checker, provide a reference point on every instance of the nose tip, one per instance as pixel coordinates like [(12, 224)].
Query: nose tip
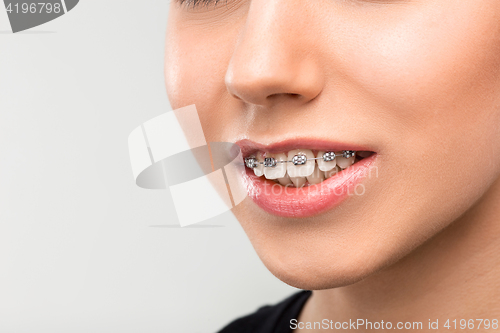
[(275, 57), (268, 80)]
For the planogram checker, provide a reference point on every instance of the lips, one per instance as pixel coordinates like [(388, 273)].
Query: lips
[(284, 199)]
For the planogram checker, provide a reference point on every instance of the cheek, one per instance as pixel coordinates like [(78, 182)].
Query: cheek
[(192, 69), (195, 67), (430, 58), (431, 82), (433, 76)]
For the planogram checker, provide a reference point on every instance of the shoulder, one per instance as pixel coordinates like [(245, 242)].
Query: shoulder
[(270, 318)]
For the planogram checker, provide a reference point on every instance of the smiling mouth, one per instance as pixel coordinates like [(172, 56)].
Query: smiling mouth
[(304, 177), (302, 167)]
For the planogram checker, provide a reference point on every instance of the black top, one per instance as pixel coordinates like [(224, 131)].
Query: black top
[(271, 318)]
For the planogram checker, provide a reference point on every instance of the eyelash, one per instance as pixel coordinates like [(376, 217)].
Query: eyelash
[(198, 3)]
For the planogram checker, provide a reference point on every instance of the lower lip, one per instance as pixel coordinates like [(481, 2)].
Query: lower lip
[(310, 200)]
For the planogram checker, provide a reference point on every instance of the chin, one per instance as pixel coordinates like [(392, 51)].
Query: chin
[(316, 272)]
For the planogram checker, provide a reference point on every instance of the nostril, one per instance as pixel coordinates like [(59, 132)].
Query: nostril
[(294, 96), (287, 95)]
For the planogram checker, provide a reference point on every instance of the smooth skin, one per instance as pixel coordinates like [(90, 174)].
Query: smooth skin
[(417, 81)]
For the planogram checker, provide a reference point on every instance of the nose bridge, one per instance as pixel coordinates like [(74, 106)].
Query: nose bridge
[(273, 55)]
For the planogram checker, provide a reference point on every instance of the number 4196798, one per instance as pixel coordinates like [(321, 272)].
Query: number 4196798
[(40, 7), (472, 324)]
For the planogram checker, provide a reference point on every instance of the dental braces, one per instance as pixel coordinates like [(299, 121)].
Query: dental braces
[(299, 159)]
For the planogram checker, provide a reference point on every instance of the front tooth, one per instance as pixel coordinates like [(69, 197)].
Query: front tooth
[(285, 180), (317, 176), (279, 170), (332, 172), (259, 169), (303, 170), (298, 181), (343, 162), (323, 165)]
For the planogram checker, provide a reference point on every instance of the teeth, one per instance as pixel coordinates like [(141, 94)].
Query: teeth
[(299, 166), (332, 172), (285, 180), (279, 170), (323, 165), (259, 169), (317, 176), (303, 170), (343, 162), (298, 181)]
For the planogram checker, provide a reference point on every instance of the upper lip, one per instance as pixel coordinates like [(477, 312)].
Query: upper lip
[(249, 147)]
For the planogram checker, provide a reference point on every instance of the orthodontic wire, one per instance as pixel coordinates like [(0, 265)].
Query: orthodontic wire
[(348, 152)]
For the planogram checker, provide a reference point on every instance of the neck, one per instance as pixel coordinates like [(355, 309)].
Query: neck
[(454, 275)]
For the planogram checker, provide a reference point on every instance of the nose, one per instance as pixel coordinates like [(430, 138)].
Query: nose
[(275, 59)]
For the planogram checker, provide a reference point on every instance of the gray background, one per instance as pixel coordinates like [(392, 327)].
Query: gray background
[(82, 249)]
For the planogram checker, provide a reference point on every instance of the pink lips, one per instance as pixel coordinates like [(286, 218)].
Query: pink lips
[(310, 200)]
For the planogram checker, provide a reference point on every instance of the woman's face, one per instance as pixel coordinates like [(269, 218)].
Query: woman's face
[(415, 81)]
